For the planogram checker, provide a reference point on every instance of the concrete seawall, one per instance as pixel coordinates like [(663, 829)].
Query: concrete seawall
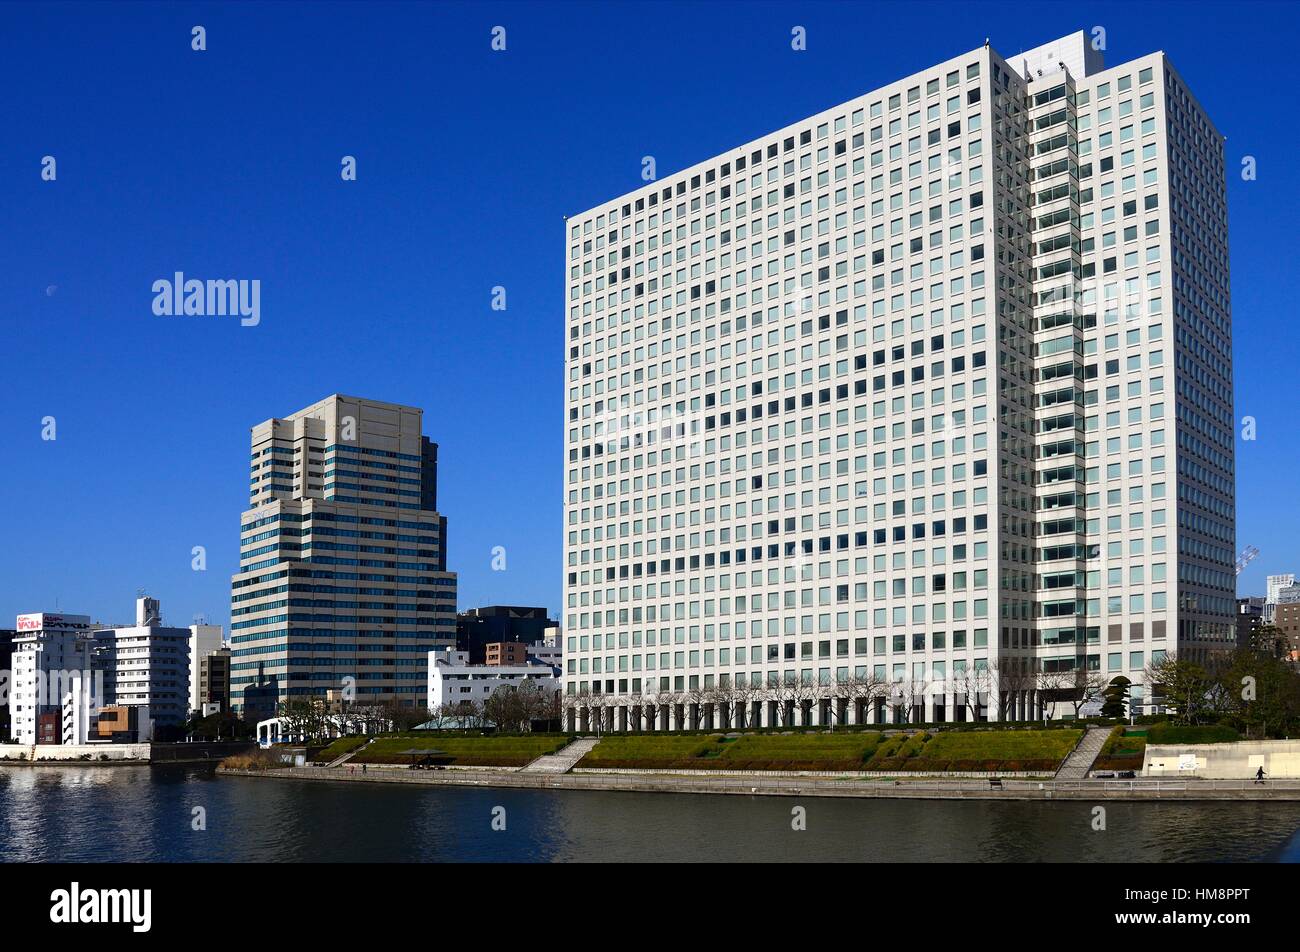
[(74, 753), (1239, 759), (805, 786), (102, 755)]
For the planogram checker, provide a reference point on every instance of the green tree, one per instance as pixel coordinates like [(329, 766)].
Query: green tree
[(1262, 693), (222, 725), (1115, 697), (1271, 641), (1185, 687)]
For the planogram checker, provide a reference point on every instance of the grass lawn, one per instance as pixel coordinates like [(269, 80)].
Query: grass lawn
[(654, 750), (1002, 745), (463, 750), (1028, 750), (1123, 750), (339, 748), (812, 751), (846, 751)]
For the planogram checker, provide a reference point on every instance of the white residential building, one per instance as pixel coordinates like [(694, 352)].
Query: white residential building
[(547, 652), (931, 390), (454, 681), (52, 677), (1276, 585), (204, 640), (147, 665)]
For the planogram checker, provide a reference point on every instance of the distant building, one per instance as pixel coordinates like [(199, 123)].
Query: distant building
[(545, 652), (214, 682), (53, 690), (506, 652), (454, 680), (1286, 619), (499, 624), (342, 502), (1274, 586), (260, 698), (147, 664), (1250, 618), (123, 724), (6, 664), (204, 639)]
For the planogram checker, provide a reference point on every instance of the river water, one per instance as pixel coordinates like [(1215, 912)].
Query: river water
[(97, 814)]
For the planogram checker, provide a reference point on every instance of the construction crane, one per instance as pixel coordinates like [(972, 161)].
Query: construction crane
[(1248, 555)]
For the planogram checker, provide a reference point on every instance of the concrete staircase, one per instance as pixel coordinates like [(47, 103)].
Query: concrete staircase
[(564, 759), (340, 761), (1077, 765)]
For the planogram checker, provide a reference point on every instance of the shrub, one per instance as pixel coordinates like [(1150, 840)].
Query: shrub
[(254, 760)]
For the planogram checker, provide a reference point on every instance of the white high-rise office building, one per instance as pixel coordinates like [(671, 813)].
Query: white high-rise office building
[(930, 391)]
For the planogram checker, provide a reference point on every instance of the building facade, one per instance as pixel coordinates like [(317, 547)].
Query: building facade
[(476, 628), (146, 665), (204, 640), (1276, 585), (455, 681), (54, 692), (926, 395), (506, 652), (343, 581), (6, 665), (1286, 619), (214, 682), (1250, 619)]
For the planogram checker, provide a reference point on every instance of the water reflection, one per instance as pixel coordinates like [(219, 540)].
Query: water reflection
[(147, 814)]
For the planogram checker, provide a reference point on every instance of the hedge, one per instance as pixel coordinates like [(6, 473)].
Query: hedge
[(1202, 734)]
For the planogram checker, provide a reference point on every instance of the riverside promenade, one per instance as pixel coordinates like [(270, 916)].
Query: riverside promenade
[(799, 785)]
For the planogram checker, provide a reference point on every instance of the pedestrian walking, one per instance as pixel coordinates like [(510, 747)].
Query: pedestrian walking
[(1259, 775)]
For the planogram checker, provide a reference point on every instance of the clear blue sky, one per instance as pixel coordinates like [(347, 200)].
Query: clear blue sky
[(225, 163)]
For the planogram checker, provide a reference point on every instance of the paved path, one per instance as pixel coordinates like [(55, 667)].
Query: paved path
[(846, 786), (564, 759), (1077, 765)]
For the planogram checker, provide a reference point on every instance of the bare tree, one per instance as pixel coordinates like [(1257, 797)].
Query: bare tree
[(694, 699), (570, 704), (721, 701), (862, 691), (743, 695), (1013, 677), (1049, 685), (907, 695), (669, 699), (797, 694), (513, 707), (1080, 686), (303, 720), (975, 683)]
